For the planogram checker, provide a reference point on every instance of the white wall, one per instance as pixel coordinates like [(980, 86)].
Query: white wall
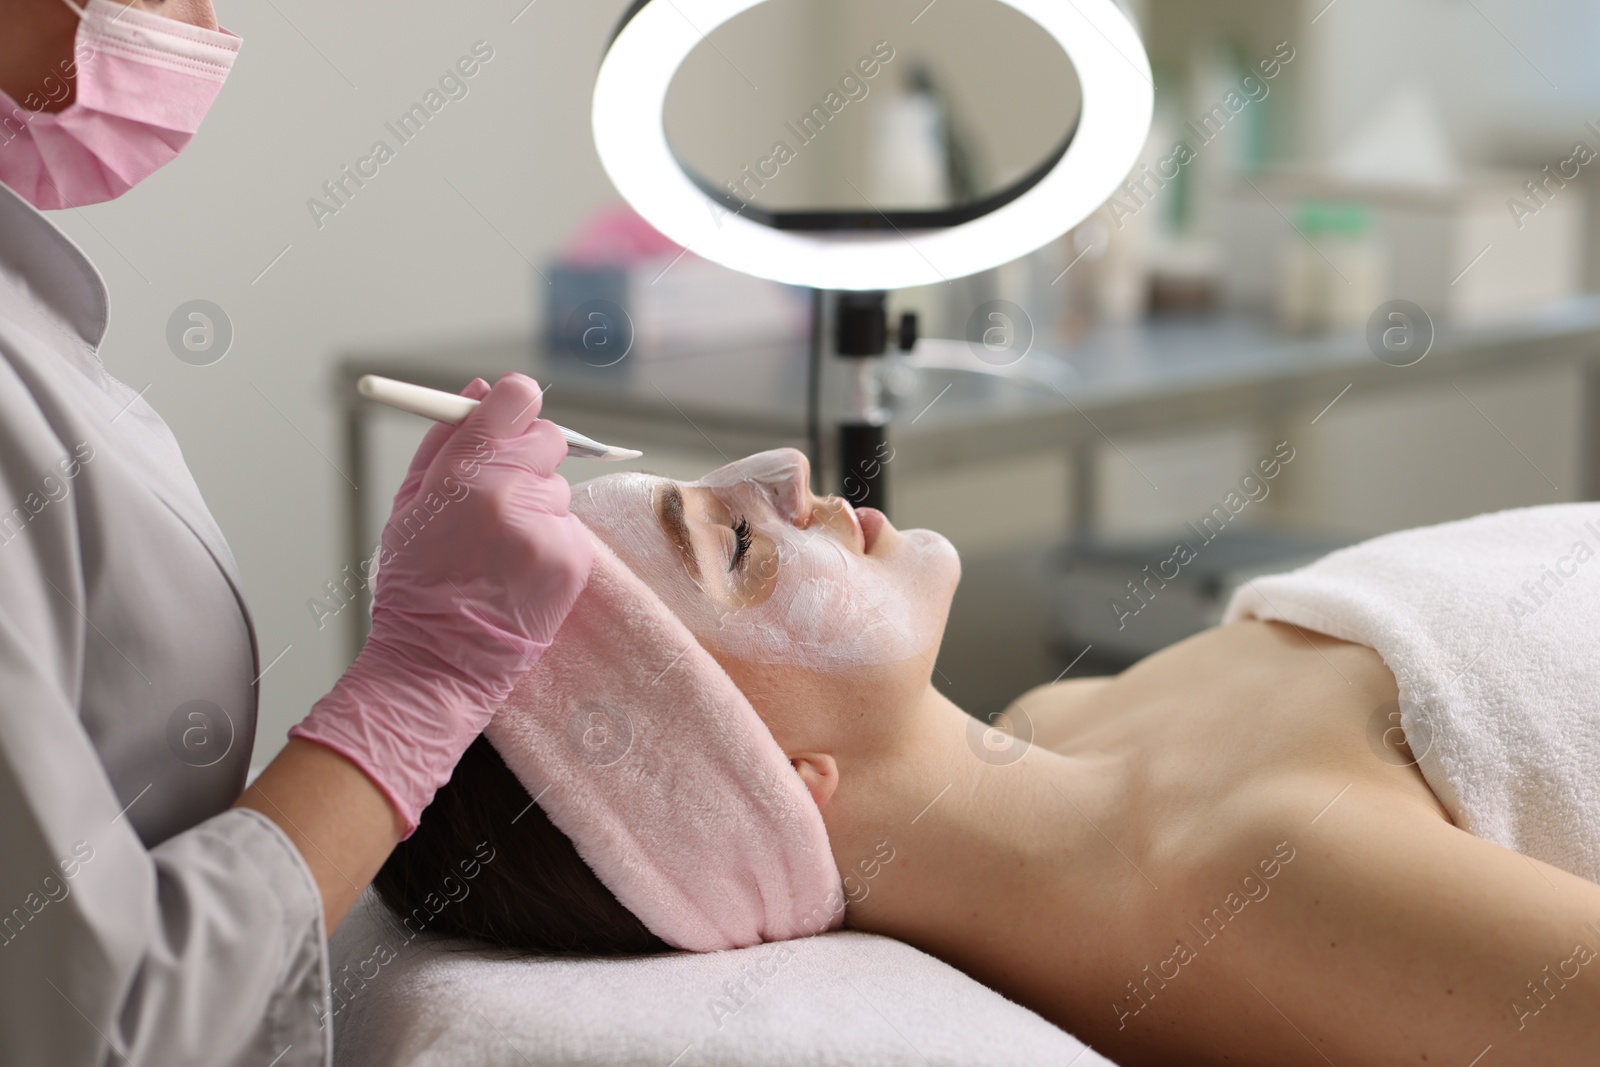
[(1013, 90), (732, 95), (1511, 77), (1013, 87)]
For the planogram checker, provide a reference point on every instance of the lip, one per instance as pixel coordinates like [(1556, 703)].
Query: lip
[(871, 521)]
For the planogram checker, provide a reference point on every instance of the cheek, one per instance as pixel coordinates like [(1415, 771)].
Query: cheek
[(819, 612), (834, 612), (791, 702), (818, 711)]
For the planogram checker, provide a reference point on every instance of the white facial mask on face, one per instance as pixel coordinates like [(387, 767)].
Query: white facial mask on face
[(830, 608)]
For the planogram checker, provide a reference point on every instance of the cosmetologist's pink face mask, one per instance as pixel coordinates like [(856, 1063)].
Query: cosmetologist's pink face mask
[(144, 83)]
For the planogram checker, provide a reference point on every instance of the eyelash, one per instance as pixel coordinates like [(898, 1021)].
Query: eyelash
[(743, 538)]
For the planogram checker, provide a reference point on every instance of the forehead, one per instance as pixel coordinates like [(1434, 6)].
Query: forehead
[(634, 488), (613, 496)]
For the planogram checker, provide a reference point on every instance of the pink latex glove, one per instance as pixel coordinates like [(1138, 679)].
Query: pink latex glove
[(480, 564)]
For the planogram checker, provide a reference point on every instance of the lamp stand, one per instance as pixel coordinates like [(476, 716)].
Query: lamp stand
[(853, 328)]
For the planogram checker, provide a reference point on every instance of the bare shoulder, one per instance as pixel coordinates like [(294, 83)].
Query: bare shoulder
[(1347, 923), (1050, 714)]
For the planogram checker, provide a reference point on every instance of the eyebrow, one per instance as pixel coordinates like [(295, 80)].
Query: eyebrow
[(673, 520)]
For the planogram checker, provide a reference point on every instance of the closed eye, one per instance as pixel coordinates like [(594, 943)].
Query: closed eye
[(743, 538)]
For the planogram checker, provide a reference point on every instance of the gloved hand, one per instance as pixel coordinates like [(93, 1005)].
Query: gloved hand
[(480, 564)]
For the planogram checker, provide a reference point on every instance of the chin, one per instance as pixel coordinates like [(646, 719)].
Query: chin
[(931, 567)]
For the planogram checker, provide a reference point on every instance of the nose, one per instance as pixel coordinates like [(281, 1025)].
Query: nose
[(803, 508), (792, 484), (783, 475), (789, 479)]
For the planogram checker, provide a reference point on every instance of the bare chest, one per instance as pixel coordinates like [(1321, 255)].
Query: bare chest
[(1230, 744)]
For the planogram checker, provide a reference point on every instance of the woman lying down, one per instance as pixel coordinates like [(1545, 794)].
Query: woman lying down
[(1225, 854)]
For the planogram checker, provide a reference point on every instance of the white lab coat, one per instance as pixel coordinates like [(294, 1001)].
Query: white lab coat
[(141, 920)]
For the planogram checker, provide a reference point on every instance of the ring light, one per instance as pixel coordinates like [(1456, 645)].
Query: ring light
[(869, 250)]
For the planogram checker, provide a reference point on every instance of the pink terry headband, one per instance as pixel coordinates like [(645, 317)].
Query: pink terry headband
[(641, 749)]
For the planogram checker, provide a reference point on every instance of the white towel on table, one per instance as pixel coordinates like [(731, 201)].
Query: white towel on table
[(837, 1000), (1491, 626)]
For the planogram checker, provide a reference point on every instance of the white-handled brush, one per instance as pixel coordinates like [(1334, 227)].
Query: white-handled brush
[(449, 408)]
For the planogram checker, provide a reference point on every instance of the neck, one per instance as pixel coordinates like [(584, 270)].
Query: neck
[(955, 846)]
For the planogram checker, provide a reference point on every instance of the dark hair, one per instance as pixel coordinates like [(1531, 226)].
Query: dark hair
[(527, 890)]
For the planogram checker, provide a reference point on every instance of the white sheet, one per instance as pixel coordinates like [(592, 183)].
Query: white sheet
[(842, 998), (1489, 625)]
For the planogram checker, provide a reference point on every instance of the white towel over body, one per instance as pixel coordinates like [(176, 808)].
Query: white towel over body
[(1491, 626)]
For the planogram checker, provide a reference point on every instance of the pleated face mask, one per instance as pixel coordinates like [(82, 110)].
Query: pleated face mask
[(144, 82)]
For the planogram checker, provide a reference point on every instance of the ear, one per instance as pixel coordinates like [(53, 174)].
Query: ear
[(819, 772)]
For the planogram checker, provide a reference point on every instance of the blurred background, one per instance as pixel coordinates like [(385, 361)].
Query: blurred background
[(1363, 235)]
